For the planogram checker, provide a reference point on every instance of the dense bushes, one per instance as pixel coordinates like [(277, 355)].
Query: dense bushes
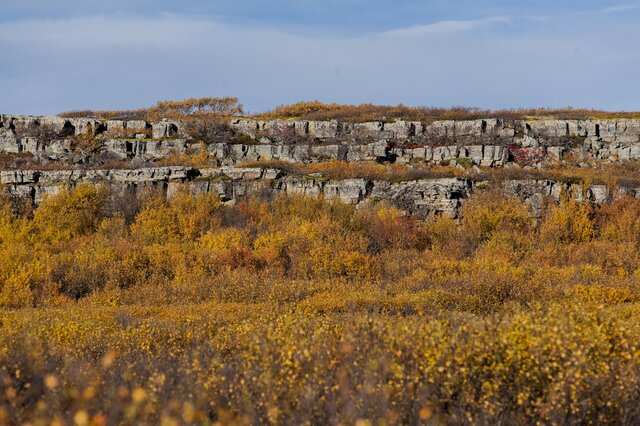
[(243, 365), (78, 243), (301, 310)]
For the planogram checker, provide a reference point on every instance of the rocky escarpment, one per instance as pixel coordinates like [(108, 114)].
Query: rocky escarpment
[(422, 197), (73, 151), (490, 143), (486, 143), (85, 141)]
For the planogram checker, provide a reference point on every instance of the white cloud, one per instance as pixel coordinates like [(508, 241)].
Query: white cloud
[(447, 27), (622, 8)]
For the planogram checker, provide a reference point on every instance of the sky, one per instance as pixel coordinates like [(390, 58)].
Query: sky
[(85, 54)]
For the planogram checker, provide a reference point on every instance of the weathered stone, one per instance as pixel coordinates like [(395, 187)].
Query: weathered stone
[(349, 191), (164, 129), (614, 140)]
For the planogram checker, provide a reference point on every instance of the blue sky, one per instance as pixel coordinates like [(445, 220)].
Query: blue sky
[(77, 54)]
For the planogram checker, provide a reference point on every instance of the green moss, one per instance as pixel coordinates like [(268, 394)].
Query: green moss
[(467, 163), (317, 177), (223, 178)]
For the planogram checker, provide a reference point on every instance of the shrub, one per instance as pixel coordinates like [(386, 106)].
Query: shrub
[(71, 213), (316, 110), (570, 221), (209, 107)]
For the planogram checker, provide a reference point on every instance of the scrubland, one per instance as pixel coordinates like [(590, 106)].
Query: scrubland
[(305, 311), (226, 107)]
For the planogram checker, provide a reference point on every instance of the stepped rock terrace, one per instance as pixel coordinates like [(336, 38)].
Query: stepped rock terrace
[(42, 155)]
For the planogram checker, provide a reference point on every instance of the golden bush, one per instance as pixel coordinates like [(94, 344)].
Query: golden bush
[(571, 221)]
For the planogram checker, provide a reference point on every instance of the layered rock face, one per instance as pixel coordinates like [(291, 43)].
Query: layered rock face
[(488, 143), (421, 197), (74, 149), (58, 139)]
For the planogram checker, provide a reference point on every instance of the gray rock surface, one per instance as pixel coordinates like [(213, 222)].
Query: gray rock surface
[(422, 197), (77, 143), (487, 143)]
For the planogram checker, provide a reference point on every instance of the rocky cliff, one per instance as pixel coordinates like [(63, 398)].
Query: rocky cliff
[(72, 151), (422, 197), (488, 143)]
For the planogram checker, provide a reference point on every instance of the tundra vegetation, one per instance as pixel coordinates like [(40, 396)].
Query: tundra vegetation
[(308, 311), (225, 107), (141, 309)]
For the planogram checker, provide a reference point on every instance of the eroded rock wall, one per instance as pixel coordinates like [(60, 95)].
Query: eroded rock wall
[(488, 143), (71, 149), (422, 197), (491, 142)]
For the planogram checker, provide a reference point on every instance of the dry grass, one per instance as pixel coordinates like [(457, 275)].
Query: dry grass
[(213, 109), (300, 310), (363, 170), (368, 112)]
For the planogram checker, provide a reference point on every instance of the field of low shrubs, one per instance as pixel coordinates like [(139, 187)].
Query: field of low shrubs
[(304, 311), (213, 109), (315, 110)]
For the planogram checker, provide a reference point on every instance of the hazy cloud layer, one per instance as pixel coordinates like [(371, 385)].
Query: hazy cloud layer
[(582, 58)]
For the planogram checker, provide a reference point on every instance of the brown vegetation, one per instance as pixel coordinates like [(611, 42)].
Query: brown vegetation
[(194, 108), (363, 170), (368, 112), (216, 108), (612, 175), (300, 310)]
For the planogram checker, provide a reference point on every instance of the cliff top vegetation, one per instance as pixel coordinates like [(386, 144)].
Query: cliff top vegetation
[(212, 108)]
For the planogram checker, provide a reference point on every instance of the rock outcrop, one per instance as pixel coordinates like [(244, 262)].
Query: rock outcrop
[(422, 197), (74, 149), (487, 143)]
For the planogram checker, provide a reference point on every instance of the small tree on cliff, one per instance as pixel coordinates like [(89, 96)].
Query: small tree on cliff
[(210, 108), (204, 119)]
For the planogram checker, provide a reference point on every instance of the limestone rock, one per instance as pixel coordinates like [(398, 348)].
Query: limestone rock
[(349, 191)]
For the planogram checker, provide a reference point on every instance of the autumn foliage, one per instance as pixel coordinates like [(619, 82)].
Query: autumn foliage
[(315, 110), (214, 108), (299, 310), (193, 108)]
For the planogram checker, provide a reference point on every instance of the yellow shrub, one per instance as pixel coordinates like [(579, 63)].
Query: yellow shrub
[(195, 215), (620, 221), (70, 213), (487, 212), (227, 247), (26, 284), (271, 250), (570, 221), (156, 223), (16, 291), (387, 227)]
